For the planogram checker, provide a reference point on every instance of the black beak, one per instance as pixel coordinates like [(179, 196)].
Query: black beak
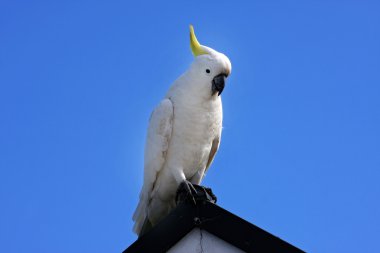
[(218, 83)]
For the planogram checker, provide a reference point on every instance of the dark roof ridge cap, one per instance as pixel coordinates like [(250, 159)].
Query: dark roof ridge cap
[(214, 219)]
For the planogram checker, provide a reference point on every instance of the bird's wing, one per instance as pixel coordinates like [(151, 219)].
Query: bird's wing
[(214, 149), (157, 143)]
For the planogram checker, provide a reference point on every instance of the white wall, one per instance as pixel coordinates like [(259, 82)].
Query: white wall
[(200, 241)]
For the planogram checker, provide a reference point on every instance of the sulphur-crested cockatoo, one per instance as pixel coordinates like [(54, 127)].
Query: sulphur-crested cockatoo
[(183, 134)]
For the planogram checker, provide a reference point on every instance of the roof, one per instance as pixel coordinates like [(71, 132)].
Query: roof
[(215, 220)]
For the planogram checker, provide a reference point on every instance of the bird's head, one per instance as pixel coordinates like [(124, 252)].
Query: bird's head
[(210, 67)]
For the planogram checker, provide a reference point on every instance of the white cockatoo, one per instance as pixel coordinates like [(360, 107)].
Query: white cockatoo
[(183, 135)]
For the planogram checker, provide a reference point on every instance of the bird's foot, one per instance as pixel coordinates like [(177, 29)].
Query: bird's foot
[(186, 191), (210, 195)]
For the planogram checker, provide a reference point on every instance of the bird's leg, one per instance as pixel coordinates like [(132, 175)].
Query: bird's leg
[(186, 191)]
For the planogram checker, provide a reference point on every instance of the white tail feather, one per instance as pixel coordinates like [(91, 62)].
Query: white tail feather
[(140, 214)]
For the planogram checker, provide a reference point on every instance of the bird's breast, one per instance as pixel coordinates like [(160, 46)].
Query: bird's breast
[(194, 129)]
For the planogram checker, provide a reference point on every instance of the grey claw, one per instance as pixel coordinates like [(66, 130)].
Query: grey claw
[(186, 190)]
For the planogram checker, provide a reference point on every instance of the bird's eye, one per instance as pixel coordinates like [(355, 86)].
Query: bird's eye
[(208, 71)]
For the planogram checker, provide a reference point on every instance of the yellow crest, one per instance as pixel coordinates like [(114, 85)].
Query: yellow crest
[(194, 44)]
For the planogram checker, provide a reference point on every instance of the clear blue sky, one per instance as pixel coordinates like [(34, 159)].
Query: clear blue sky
[(300, 152)]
